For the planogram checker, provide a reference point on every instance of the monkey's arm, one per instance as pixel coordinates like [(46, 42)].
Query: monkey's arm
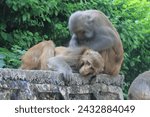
[(73, 42), (60, 65), (102, 42)]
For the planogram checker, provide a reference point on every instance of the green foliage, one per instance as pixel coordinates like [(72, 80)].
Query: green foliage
[(133, 22), (10, 59), (24, 23), (26, 39)]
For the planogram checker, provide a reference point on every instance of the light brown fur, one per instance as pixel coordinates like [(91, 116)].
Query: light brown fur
[(91, 63), (112, 64), (60, 50), (84, 60), (36, 57)]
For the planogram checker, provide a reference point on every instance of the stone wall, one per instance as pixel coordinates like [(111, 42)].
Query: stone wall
[(18, 84)]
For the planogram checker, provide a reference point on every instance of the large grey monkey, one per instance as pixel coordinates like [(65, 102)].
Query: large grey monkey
[(91, 28)]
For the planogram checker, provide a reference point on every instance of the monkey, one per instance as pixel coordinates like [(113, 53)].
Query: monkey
[(36, 57), (83, 60), (140, 87), (92, 29), (91, 63), (46, 56)]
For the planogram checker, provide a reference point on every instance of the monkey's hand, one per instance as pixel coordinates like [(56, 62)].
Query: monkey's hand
[(67, 75), (60, 65)]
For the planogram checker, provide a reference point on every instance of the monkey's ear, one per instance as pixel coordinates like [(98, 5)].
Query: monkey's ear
[(86, 52)]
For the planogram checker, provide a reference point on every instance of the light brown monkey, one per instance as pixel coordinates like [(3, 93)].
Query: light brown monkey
[(140, 87), (64, 60), (91, 28), (36, 57)]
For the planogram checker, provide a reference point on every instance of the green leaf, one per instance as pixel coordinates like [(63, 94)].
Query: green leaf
[(15, 8), (3, 35), (24, 17)]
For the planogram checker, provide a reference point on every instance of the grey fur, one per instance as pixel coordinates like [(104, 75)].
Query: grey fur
[(99, 33)]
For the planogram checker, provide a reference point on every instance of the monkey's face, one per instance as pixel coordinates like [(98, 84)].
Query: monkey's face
[(81, 25), (91, 63), (83, 31), (86, 69), (84, 35)]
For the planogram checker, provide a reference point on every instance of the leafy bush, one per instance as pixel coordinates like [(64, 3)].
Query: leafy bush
[(25, 23), (133, 26)]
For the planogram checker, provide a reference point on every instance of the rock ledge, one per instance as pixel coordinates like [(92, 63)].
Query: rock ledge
[(16, 84)]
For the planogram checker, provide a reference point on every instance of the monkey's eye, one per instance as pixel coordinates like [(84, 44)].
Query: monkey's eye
[(82, 32), (92, 69), (88, 63)]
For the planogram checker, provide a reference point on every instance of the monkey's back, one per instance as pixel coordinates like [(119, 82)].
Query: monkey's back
[(100, 18), (140, 87)]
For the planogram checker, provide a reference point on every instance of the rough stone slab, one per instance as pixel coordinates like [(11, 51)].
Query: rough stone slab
[(43, 84)]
